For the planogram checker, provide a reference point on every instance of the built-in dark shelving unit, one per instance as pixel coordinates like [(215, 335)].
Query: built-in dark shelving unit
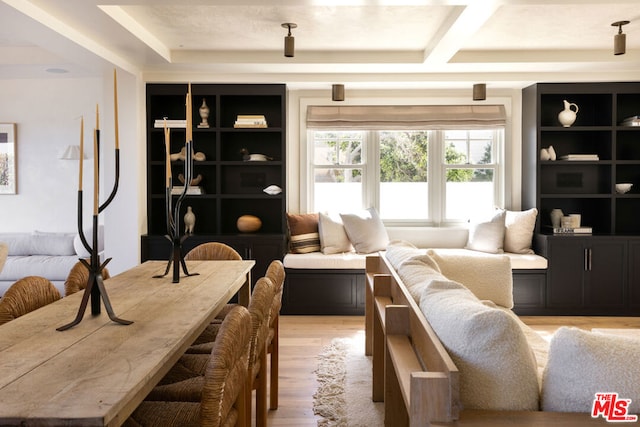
[(587, 274), (232, 186)]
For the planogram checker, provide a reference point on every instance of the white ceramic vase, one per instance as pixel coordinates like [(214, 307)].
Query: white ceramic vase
[(568, 116)]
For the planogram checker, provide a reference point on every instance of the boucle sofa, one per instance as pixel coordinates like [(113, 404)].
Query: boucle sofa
[(46, 254), (325, 269), (446, 351)]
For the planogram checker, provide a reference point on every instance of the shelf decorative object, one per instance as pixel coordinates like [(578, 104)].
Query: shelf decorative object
[(248, 223), (95, 283), (204, 115), (556, 217), (567, 116), (548, 153), (173, 212)]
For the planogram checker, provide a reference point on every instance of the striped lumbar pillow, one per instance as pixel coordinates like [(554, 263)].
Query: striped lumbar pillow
[(303, 232)]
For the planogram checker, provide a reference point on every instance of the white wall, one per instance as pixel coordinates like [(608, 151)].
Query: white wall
[(47, 114)]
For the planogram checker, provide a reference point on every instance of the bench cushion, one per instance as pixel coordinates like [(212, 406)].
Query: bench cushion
[(318, 260)]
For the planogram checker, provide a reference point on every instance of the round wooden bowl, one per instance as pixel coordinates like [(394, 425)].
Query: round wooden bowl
[(248, 223)]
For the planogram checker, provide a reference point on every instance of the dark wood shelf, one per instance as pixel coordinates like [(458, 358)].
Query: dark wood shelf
[(233, 187), (589, 274)]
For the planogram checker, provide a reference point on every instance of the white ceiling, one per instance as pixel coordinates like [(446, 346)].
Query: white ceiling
[(362, 43)]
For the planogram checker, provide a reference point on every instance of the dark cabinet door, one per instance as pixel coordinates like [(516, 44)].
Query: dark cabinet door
[(634, 276), (606, 275), (587, 273), (566, 271)]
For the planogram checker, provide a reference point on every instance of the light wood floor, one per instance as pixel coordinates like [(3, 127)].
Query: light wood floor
[(303, 337)]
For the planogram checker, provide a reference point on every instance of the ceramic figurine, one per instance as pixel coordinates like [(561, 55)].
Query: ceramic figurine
[(189, 221), (204, 114)]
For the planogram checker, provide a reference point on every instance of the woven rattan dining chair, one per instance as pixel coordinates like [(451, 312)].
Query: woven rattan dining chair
[(223, 397), (79, 277), (212, 251), (275, 272), (26, 295), (183, 382)]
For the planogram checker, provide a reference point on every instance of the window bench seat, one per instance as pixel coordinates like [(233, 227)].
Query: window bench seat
[(334, 284)]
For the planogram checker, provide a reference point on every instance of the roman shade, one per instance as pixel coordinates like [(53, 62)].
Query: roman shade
[(403, 117)]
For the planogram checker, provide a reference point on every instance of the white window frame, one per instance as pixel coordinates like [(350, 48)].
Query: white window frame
[(300, 172)]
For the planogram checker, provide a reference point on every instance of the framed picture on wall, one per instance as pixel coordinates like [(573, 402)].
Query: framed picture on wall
[(8, 163)]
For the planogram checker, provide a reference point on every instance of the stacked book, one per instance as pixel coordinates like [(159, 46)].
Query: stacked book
[(257, 121), (191, 191), (631, 121), (582, 157), (175, 123), (570, 230)]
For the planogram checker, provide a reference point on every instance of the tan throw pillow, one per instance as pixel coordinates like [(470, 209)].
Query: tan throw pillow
[(519, 231), (487, 236), (497, 367), (366, 231), (333, 238), (583, 363), (303, 232), (487, 276)]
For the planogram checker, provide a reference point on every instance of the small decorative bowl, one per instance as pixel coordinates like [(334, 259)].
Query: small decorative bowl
[(623, 187)]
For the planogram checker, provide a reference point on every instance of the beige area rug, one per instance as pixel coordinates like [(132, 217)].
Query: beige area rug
[(343, 398)]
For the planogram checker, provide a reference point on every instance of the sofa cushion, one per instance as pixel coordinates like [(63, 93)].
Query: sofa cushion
[(399, 251), (45, 243), (488, 236), (18, 243), (487, 276), (366, 231), (497, 367), (333, 237), (4, 251), (54, 268), (304, 236), (417, 273), (519, 227), (583, 363)]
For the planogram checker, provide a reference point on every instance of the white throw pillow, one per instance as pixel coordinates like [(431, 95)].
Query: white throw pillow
[(497, 367), (366, 231), (487, 236), (519, 231), (583, 363), (333, 238), (487, 276)]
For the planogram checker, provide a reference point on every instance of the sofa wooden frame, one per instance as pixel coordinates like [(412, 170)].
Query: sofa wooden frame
[(413, 373)]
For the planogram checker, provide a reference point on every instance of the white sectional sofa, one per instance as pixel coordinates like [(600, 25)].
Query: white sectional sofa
[(470, 358), (321, 283), (47, 254)]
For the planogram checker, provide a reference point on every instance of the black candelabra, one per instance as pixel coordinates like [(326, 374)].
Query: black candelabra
[(173, 212), (95, 288)]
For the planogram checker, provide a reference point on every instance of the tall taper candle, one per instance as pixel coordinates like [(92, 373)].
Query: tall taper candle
[(115, 106), (189, 116), (81, 152), (96, 186), (167, 143)]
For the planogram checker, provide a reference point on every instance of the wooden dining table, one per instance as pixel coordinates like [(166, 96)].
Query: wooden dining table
[(98, 372)]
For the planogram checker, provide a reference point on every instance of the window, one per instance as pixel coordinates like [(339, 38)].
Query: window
[(410, 177)]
